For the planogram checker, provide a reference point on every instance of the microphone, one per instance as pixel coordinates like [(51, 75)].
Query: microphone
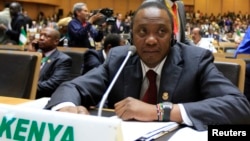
[(131, 51)]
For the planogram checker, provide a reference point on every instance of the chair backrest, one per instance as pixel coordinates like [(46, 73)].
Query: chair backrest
[(219, 55), (13, 47), (19, 73), (77, 57), (233, 69)]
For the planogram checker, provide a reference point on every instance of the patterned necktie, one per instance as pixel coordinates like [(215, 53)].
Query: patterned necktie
[(175, 18), (151, 94)]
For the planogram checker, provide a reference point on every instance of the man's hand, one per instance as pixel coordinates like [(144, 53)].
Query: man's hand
[(134, 109), (3, 27), (95, 17), (75, 109)]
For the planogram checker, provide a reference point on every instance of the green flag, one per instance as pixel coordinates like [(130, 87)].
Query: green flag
[(22, 37), (238, 32)]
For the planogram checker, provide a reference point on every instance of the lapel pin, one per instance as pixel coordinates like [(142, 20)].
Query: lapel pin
[(165, 96)]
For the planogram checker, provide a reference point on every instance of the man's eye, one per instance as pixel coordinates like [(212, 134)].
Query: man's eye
[(162, 31), (142, 32)]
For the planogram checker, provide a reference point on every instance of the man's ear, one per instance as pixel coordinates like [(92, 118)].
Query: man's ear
[(131, 38), (108, 48)]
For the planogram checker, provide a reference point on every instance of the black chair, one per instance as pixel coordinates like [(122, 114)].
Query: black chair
[(233, 69), (77, 57), (19, 73)]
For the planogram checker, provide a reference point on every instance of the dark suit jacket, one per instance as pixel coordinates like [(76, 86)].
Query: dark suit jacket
[(56, 70), (182, 18), (189, 76), (92, 58), (16, 24), (247, 82), (118, 30)]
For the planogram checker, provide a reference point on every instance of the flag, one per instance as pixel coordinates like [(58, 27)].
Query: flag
[(22, 37), (244, 46), (238, 32)]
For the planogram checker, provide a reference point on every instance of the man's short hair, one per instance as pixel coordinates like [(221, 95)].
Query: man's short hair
[(78, 7), (112, 39), (157, 4)]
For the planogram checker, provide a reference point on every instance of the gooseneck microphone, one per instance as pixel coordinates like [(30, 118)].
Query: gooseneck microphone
[(131, 51)]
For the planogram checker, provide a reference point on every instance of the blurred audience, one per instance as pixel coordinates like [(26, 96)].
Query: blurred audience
[(17, 22), (202, 42), (5, 20)]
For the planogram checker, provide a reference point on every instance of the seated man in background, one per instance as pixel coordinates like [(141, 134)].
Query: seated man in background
[(55, 67), (94, 58), (202, 42), (187, 88)]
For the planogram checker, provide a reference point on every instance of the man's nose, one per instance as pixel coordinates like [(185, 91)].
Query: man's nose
[(151, 40)]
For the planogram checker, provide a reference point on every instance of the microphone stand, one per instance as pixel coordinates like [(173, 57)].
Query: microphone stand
[(112, 84)]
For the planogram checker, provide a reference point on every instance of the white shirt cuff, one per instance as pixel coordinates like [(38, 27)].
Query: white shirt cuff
[(61, 105), (185, 118)]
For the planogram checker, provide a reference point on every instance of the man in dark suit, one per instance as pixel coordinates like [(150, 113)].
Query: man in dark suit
[(118, 26), (190, 89), (94, 58), (17, 22), (55, 67), (180, 35)]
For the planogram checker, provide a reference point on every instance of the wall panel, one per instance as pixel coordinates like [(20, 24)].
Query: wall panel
[(243, 6), (188, 2), (200, 5), (49, 2), (120, 6), (228, 5), (107, 4), (213, 6)]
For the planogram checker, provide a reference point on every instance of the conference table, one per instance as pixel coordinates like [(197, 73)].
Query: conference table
[(12, 100), (108, 112)]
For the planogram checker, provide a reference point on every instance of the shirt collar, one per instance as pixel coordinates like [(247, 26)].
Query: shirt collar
[(157, 69), (47, 54), (104, 54)]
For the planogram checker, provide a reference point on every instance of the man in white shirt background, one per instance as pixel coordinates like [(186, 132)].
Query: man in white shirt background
[(202, 42)]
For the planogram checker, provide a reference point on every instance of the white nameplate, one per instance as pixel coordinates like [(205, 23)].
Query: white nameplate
[(29, 124)]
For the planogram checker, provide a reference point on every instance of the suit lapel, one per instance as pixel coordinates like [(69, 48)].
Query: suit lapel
[(47, 65), (170, 75), (132, 84)]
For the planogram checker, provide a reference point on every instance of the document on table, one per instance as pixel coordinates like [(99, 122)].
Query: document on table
[(143, 131), (189, 134), (38, 103)]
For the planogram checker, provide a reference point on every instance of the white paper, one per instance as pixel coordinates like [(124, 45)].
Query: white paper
[(38, 103), (189, 134), (133, 130)]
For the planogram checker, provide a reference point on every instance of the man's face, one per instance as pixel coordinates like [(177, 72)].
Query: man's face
[(14, 9), (84, 13), (47, 40), (151, 35), (195, 35)]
